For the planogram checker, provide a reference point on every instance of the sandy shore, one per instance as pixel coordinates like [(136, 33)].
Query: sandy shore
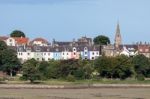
[(40, 86), (82, 93)]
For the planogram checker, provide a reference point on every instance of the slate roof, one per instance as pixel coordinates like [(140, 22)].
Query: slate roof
[(3, 38), (56, 48)]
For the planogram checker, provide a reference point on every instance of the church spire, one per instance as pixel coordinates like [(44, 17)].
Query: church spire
[(118, 29), (118, 39)]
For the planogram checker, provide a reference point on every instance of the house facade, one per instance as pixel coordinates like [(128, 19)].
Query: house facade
[(144, 49), (15, 41)]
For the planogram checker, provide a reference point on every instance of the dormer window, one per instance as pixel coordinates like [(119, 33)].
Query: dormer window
[(10, 40), (48, 50), (93, 53), (85, 48), (141, 50), (74, 49)]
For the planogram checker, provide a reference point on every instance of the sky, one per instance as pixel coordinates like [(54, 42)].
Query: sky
[(64, 20)]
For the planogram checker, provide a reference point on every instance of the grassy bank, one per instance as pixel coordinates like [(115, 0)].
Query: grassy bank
[(76, 82)]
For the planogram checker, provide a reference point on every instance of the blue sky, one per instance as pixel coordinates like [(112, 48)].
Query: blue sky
[(68, 19)]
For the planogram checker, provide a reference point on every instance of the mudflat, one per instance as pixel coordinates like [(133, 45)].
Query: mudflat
[(87, 93)]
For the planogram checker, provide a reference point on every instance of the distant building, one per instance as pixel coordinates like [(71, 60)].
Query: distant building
[(39, 42), (15, 41), (144, 49), (108, 50), (128, 50), (83, 41)]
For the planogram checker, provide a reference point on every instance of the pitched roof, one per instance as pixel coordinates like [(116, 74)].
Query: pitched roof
[(21, 40), (41, 40)]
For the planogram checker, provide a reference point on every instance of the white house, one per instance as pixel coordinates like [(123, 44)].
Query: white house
[(11, 42), (24, 53), (93, 55), (39, 42), (129, 51)]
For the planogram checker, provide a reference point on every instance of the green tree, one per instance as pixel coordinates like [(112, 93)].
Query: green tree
[(88, 70), (123, 67), (30, 71), (67, 67), (114, 67), (17, 33), (10, 62), (53, 69), (43, 69), (3, 45), (141, 65), (101, 39)]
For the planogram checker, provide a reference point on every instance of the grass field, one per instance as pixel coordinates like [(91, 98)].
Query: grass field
[(101, 93)]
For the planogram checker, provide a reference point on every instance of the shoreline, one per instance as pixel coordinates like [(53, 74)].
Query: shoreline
[(82, 86)]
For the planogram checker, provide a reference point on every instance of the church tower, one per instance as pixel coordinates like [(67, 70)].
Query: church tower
[(118, 39)]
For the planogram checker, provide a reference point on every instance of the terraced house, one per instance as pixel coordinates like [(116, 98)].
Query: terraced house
[(46, 53)]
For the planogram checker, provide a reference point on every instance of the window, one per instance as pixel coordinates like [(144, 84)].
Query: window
[(43, 59), (93, 53), (141, 50), (11, 44), (48, 58), (63, 53), (92, 57), (37, 58), (10, 40), (44, 53), (28, 53), (74, 53), (67, 53), (74, 49), (85, 53), (146, 50)]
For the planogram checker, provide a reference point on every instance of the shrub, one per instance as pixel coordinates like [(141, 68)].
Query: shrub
[(140, 77), (70, 78)]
